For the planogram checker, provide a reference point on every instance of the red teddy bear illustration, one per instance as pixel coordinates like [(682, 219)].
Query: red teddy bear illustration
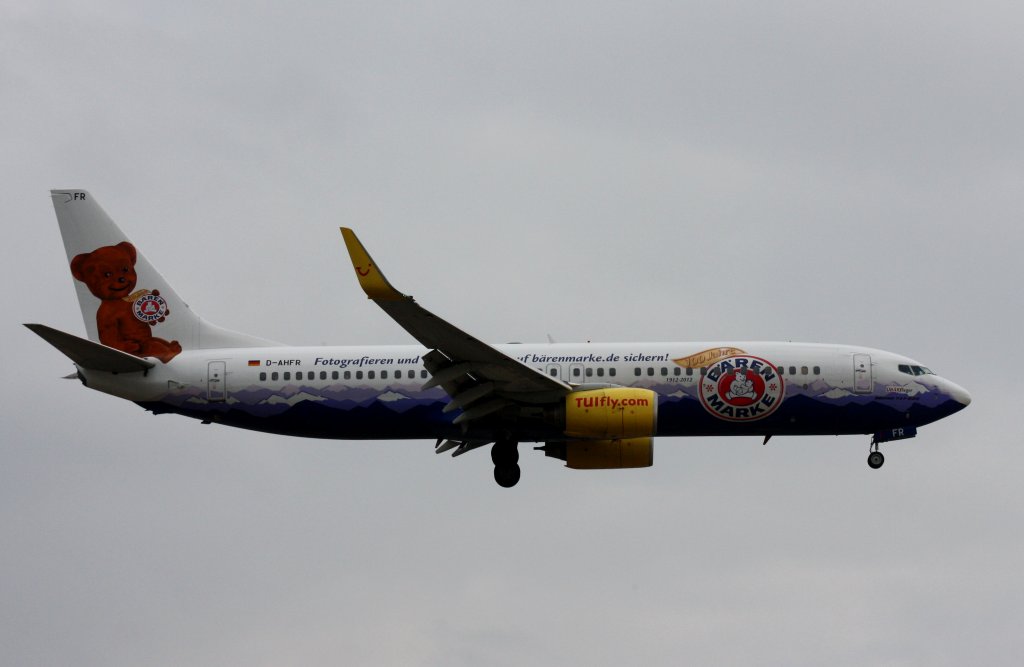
[(124, 318)]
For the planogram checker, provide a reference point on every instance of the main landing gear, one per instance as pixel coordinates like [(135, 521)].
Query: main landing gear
[(505, 455), (875, 458)]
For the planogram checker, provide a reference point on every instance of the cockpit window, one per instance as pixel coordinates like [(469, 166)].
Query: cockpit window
[(914, 370)]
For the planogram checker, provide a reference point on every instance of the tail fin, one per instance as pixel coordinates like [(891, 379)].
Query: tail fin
[(126, 303)]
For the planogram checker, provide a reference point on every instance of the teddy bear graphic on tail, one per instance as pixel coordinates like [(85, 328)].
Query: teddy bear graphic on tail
[(125, 317)]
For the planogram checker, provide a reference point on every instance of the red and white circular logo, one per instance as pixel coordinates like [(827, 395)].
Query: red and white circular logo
[(741, 388), (150, 308)]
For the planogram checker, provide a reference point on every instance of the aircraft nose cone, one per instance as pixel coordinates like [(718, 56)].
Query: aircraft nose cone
[(959, 394)]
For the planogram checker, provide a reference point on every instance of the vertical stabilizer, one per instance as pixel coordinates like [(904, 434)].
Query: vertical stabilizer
[(126, 303)]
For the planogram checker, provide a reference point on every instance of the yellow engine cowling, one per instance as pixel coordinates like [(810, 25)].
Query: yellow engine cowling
[(606, 454), (611, 414)]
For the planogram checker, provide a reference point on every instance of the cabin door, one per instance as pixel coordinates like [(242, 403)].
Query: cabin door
[(216, 386), (863, 383)]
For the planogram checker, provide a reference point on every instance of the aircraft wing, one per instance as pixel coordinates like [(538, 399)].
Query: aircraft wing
[(480, 378)]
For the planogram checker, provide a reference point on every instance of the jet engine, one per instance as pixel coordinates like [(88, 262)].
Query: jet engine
[(611, 414), (603, 454)]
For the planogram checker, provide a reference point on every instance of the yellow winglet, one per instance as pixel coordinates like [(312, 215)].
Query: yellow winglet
[(370, 278)]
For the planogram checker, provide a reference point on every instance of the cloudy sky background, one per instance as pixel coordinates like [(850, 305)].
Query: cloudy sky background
[(604, 171)]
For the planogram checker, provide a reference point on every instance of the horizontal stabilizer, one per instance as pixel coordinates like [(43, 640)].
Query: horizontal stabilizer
[(88, 354)]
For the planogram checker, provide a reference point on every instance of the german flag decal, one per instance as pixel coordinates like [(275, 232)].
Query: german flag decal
[(254, 362)]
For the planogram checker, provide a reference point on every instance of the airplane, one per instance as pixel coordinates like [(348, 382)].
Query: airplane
[(592, 406)]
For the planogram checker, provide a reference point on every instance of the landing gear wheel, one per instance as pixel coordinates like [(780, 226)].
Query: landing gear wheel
[(507, 476), (875, 460), (505, 453)]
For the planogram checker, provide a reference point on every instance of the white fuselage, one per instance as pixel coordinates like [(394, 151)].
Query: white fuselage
[(377, 391)]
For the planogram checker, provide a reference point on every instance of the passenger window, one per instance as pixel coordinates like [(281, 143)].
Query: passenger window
[(370, 375), (677, 371), (803, 370), (689, 372), (412, 375), (664, 371), (287, 375), (554, 372), (263, 377), (590, 372), (611, 371), (423, 374), (600, 372), (703, 371), (576, 372), (792, 370), (273, 376), (359, 375), (384, 375), (348, 375), (650, 371), (817, 370), (636, 371), (334, 375)]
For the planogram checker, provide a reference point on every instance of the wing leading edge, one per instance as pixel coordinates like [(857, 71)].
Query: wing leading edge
[(480, 379)]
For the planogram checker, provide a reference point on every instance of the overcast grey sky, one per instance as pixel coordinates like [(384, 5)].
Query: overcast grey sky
[(597, 171)]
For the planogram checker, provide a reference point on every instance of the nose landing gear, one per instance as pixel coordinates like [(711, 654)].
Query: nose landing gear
[(875, 457)]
